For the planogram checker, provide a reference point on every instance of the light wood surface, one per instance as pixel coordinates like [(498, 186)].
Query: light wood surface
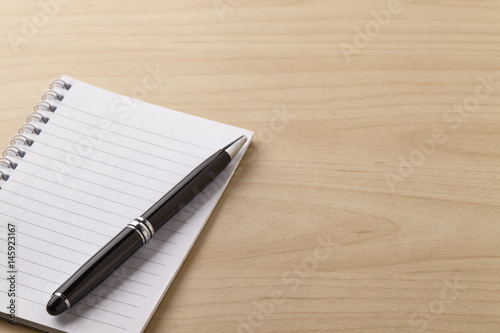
[(411, 246)]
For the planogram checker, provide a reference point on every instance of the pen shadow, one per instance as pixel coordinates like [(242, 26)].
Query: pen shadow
[(104, 299), (241, 173)]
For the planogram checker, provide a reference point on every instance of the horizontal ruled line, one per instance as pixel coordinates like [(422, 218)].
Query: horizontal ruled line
[(127, 147), (90, 182), (76, 189), (133, 127), (106, 153), (102, 174)]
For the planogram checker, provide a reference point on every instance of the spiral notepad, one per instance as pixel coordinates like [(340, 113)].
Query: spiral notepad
[(86, 162)]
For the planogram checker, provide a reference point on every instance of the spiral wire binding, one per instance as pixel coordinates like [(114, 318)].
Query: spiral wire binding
[(21, 138), (29, 127), (44, 106), (3, 176), (18, 152), (59, 83)]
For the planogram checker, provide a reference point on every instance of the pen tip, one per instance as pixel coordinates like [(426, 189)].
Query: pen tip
[(56, 306), (234, 147)]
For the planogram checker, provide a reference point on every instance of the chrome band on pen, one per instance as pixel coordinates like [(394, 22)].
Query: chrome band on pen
[(61, 296), (143, 228)]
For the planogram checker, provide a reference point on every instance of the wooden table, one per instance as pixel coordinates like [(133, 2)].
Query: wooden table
[(369, 201)]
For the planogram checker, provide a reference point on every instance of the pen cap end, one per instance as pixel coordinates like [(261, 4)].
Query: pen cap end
[(234, 147), (56, 306)]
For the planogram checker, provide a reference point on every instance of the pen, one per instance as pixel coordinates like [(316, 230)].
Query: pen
[(139, 231)]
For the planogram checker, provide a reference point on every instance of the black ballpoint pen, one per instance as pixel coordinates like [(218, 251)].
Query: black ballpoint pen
[(139, 231)]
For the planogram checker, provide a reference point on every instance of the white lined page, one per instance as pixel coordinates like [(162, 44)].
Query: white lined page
[(100, 161)]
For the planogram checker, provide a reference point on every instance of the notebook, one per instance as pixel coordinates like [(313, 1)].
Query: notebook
[(86, 163)]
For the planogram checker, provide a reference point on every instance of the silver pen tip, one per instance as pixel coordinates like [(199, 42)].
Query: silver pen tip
[(234, 147)]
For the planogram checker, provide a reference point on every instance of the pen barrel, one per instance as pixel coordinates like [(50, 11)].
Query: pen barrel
[(172, 202), (100, 266)]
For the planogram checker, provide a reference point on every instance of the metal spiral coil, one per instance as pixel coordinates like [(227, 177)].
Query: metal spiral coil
[(59, 83), (52, 93), (22, 138), (37, 115), (4, 176), (13, 149), (43, 106), (29, 127), (8, 163)]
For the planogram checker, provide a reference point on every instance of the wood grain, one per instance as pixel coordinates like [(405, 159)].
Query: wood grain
[(410, 246)]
